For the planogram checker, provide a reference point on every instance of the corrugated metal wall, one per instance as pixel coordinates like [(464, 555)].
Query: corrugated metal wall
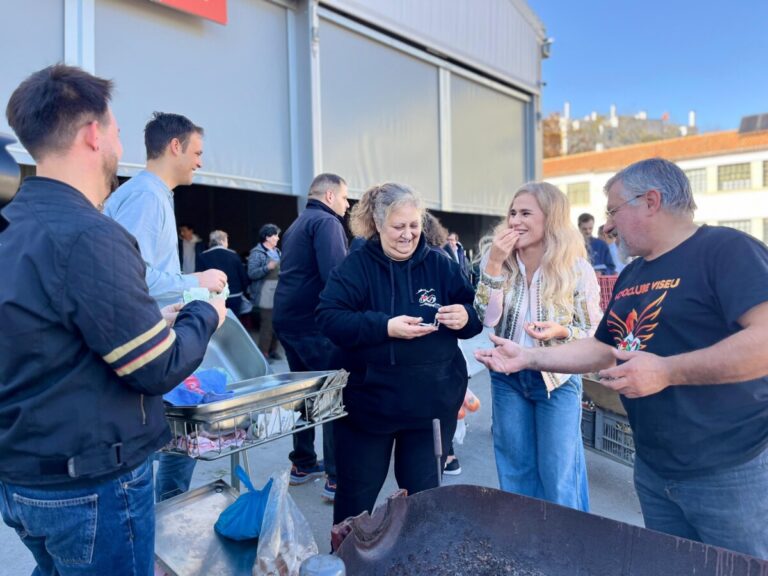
[(500, 37), (284, 88), (379, 114), (232, 80)]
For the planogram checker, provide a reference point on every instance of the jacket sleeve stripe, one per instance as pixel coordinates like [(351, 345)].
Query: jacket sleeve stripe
[(129, 347), (148, 356)]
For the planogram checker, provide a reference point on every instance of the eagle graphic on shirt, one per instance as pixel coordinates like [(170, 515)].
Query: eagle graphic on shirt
[(632, 334)]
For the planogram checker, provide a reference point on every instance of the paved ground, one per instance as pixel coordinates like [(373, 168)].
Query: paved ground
[(611, 492)]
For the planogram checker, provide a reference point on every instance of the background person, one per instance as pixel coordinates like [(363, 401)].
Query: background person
[(85, 353), (312, 246), (684, 346), (220, 257), (379, 306), (537, 289), (190, 247), (597, 250), (263, 271), (613, 248), (455, 250)]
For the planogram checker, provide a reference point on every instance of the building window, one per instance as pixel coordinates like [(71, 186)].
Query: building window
[(734, 177), (743, 225), (698, 180), (578, 193), (765, 174)]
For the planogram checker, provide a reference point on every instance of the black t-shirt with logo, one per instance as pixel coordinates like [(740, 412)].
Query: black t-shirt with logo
[(685, 300)]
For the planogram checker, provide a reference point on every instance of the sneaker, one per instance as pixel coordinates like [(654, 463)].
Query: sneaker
[(452, 468), (302, 475), (329, 491)]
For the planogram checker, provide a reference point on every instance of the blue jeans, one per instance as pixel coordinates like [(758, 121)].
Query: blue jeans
[(537, 439), (108, 528), (174, 475), (728, 508)]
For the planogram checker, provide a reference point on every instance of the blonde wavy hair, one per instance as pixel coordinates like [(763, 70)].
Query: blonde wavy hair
[(563, 245), (375, 205)]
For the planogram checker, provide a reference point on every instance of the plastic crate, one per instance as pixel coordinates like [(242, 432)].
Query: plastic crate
[(613, 436), (606, 289), (588, 425)]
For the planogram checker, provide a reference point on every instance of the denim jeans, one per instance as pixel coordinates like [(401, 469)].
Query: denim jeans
[(174, 475), (311, 352), (728, 508), (108, 528), (537, 439)]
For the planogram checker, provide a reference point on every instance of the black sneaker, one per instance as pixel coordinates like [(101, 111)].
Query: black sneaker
[(302, 475), (329, 491), (452, 468)]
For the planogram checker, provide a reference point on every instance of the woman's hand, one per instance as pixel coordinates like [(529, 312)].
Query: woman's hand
[(454, 316), (502, 246), (408, 327), (546, 330)]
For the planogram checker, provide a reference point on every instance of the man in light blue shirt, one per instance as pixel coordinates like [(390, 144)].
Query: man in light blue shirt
[(144, 207)]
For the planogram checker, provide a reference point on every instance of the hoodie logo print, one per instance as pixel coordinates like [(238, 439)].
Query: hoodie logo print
[(426, 297)]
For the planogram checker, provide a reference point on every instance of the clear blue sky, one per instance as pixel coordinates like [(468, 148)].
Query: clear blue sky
[(659, 56)]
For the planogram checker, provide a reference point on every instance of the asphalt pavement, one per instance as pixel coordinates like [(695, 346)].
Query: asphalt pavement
[(610, 483)]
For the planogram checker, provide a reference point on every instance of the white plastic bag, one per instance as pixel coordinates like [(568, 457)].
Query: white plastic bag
[(461, 432), (286, 539), (277, 421)]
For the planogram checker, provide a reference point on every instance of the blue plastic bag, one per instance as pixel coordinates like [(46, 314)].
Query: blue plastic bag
[(203, 386), (242, 519)]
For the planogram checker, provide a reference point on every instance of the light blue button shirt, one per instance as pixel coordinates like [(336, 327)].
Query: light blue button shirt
[(144, 207)]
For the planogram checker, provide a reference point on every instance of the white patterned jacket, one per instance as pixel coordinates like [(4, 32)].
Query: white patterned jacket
[(501, 303)]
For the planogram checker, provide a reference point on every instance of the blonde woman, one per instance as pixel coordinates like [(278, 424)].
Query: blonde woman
[(537, 288)]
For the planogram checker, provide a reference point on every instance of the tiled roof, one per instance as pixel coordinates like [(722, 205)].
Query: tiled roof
[(675, 149)]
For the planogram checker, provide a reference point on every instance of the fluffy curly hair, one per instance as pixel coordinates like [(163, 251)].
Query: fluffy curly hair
[(376, 204)]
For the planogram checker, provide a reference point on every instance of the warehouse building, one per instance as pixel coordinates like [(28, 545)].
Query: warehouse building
[(443, 96)]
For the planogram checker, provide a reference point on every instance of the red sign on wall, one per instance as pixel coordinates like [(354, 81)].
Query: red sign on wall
[(215, 10)]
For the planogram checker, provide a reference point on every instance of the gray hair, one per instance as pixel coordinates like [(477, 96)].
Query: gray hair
[(661, 175), (376, 204), (324, 182), (217, 238)]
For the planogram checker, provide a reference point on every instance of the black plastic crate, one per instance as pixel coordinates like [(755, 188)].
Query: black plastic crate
[(588, 424), (613, 436)]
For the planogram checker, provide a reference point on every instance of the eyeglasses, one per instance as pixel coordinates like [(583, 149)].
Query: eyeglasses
[(611, 212)]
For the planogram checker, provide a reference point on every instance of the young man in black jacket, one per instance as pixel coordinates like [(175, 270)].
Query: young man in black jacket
[(85, 353), (312, 246)]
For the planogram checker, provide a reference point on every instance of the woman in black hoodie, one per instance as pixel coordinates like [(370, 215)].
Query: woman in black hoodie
[(397, 309)]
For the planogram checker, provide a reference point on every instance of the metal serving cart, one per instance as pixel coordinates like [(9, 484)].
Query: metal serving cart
[(262, 408)]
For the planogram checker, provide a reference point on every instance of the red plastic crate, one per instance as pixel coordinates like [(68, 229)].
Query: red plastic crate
[(606, 289)]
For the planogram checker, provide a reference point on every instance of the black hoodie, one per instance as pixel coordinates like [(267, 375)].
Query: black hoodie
[(394, 382)]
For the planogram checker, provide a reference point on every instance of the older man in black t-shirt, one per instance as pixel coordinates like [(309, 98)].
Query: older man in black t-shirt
[(683, 342)]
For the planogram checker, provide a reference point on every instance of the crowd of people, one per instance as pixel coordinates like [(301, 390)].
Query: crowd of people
[(89, 347)]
